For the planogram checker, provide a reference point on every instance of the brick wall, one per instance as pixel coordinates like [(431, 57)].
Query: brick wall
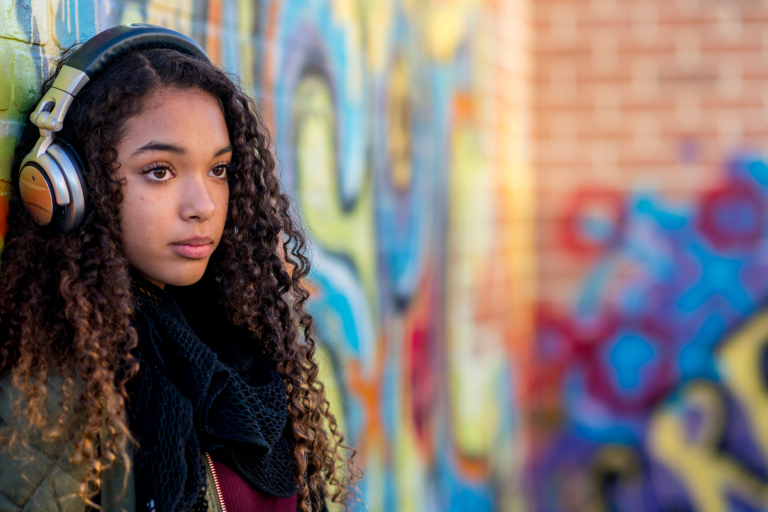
[(654, 94), (650, 131)]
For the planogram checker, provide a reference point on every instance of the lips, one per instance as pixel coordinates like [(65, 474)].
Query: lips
[(195, 247)]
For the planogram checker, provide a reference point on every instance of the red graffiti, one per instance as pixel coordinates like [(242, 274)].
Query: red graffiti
[(592, 220), (732, 216), (420, 361), (565, 347)]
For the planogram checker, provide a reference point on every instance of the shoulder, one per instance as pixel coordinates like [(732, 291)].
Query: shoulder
[(37, 474), (53, 403)]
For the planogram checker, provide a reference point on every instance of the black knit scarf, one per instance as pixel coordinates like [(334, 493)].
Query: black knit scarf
[(193, 396)]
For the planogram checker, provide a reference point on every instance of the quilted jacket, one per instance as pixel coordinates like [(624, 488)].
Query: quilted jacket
[(40, 478)]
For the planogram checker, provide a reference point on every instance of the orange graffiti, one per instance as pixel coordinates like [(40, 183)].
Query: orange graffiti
[(367, 387), (463, 107), (214, 26), (472, 468)]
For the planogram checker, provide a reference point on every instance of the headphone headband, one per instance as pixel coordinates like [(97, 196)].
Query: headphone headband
[(93, 56), (98, 51)]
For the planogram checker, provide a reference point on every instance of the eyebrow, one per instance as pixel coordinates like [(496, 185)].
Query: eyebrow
[(159, 146), (172, 148), (222, 151)]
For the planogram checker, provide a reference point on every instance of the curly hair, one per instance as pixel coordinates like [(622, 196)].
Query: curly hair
[(65, 300)]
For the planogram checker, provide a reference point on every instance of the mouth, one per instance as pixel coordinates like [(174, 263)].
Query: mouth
[(195, 248)]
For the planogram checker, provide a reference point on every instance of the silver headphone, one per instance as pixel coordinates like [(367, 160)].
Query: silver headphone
[(51, 180)]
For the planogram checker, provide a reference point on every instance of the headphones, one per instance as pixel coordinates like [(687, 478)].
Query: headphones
[(51, 180)]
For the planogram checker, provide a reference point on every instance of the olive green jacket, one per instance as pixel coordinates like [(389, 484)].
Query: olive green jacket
[(39, 477)]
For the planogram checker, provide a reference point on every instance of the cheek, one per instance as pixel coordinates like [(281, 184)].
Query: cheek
[(222, 207), (139, 211)]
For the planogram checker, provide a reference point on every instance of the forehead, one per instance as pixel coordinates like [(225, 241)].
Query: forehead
[(179, 115)]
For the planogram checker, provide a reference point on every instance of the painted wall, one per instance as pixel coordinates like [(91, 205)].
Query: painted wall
[(626, 370), (401, 130), (649, 382)]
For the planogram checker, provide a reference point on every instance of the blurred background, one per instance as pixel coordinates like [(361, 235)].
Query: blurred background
[(539, 228)]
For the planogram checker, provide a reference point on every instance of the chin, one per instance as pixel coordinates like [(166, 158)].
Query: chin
[(179, 275)]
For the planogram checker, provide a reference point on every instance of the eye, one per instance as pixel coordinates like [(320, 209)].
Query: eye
[(220, 171), (158, 173)]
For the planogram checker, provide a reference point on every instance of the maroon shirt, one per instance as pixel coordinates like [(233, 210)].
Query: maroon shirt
[(240, 497)]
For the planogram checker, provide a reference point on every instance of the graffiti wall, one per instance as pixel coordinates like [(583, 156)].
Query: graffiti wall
[(593, 341), (649, 381), (401, 131)]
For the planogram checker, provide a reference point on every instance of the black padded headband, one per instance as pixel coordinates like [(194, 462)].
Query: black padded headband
[(92, 57), (98, 51)]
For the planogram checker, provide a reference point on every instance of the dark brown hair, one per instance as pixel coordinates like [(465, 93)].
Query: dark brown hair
[(65, 300)]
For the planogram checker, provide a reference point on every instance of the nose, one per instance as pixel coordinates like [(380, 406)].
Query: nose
[(196, 201)]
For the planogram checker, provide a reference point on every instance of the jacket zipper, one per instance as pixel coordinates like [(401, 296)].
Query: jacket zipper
[(216, 483)]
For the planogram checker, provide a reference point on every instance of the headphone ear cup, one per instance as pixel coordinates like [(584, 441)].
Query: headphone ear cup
[(74, 156), (72, 167), (37, 194), (52, 186)]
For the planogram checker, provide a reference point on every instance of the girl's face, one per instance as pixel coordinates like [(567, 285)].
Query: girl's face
[(173, 161)]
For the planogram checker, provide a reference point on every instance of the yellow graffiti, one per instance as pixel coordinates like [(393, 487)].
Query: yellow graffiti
[(5, 85), (742, 367), (341, 232), (327, 374), (709, 474), (400, 135), (476, 349), (377, 18), (444, 23)]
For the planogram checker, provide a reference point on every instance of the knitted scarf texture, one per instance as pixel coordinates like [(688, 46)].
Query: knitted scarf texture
[(200, 390)]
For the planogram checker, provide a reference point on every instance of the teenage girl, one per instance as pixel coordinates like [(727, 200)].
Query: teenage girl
[(155, 352)]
